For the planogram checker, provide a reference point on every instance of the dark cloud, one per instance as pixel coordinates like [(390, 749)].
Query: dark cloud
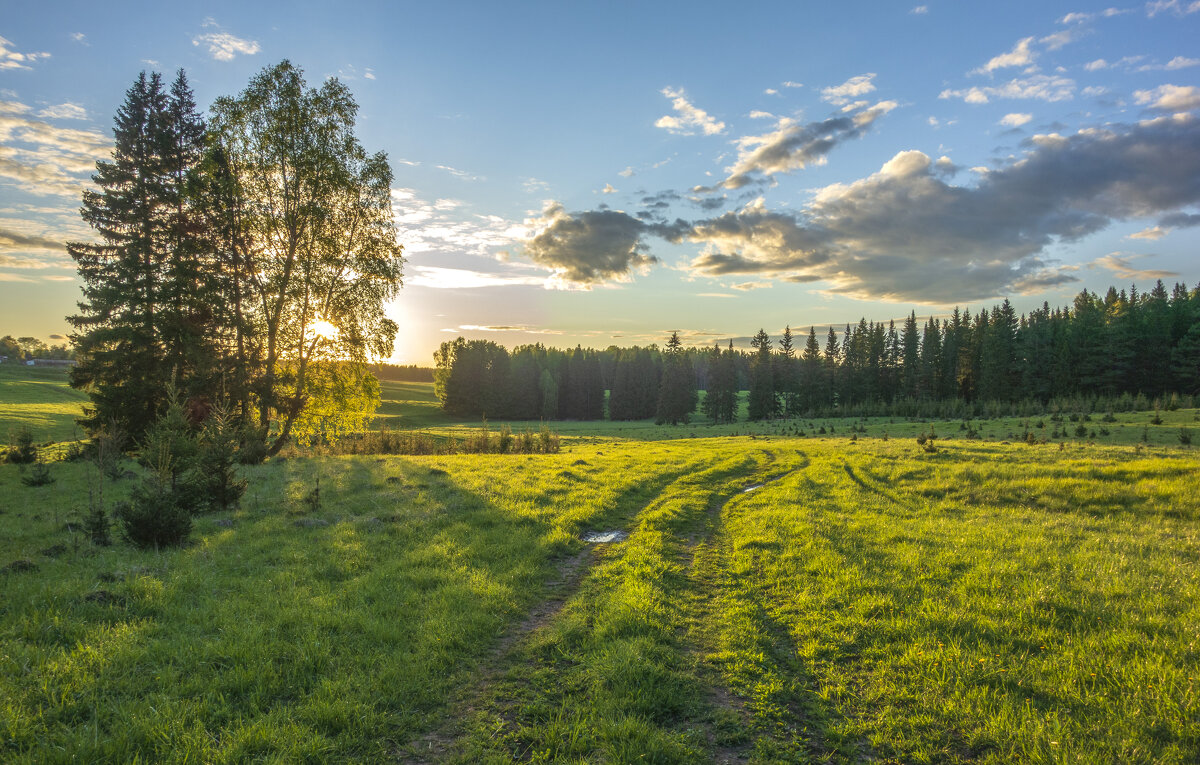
[(907, 233), (13, 240), (1179, 220), (588, 247), (661, 197), (596, 245), (709, 203)]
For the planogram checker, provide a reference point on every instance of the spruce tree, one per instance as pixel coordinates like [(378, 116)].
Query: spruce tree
[(762, 403), (720, 401), (677, 396), (128, 338), (787, 382)]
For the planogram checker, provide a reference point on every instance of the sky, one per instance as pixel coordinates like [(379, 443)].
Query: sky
[(607, 173)]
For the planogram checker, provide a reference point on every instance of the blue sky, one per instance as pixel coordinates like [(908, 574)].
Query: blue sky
[(604, 174)]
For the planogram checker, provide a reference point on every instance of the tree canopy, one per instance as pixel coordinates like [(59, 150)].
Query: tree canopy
[(249, 260)]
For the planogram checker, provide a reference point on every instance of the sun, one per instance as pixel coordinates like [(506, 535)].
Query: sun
[(324, 329)]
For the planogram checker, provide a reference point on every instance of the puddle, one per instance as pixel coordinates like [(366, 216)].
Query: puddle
[(604, 537)]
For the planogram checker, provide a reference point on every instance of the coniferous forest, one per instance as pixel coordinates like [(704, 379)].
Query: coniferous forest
[(1125, 348)]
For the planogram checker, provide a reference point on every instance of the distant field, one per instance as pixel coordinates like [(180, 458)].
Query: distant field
[(863, 601), (40, 399)]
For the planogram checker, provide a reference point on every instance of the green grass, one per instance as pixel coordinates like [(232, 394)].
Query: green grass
[(38, 398), (985, 603), (868, 600)]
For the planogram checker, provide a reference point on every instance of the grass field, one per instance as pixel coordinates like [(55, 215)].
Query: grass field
[(40, 399), (778, 598)]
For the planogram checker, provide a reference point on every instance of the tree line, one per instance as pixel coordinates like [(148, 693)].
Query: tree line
[(24, 348), (481, 378), (241, 261), (1124, 343)]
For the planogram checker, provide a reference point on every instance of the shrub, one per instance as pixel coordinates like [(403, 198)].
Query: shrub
[(22, 451), (96, 524), (158, 513), (38, 476), (1185, 436), (216, 458)]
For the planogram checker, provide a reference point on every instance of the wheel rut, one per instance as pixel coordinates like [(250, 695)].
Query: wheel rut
[(703, 553)]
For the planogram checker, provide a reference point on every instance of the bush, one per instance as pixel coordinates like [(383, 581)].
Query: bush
[(96, 525), (216, 459), (22, 451), (38, 476), (1185, 436), (158, 513)]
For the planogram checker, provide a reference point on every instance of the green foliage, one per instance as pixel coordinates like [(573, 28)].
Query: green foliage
[(158, 512), (144, 283), (22, 450), (315, 228), (217, 459), (677, 395), (38, 475)]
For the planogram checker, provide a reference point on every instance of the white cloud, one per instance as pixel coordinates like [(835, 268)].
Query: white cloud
[(79, 37), (447, 226), (920, 10), (1152, 233), (436, 277), (1170, 98), (1080, 18), (1038, 87), (771, 92), (761, 115), (627, 172), (223, 46), (1015, 119), (11, 59), (1123, 269), (64, 111), (1020, 55), (688, 117), (790, 84), (793, 146), (850, 89), (1175, 7), (45, 159), (460, 173), (369, 73), (608, 189), (1182, 62)]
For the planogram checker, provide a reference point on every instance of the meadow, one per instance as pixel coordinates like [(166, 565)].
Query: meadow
[(843, 597)]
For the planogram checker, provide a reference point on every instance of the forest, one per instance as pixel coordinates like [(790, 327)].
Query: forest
[(1123, 344)]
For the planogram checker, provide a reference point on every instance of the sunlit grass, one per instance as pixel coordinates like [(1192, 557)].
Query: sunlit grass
[(986, 602)]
